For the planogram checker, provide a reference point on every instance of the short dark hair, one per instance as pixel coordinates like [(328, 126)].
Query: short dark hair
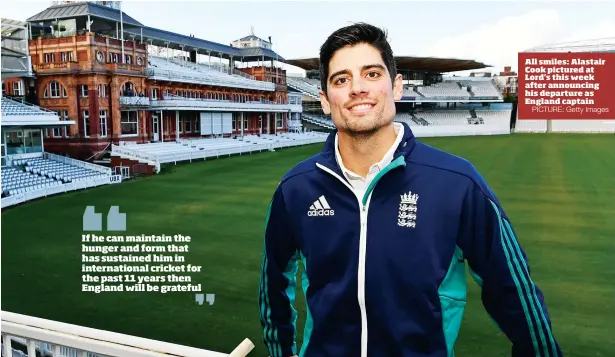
[(353, 35)]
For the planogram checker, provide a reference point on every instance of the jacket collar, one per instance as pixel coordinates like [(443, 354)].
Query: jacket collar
[(327, 156)]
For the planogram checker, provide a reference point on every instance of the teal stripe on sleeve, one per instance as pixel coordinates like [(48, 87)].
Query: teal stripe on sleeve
[(532, 288), (265, 304), (291, 274), (309, 323), (513, 272)]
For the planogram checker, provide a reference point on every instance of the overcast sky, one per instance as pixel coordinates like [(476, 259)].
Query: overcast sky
[(490, 32)]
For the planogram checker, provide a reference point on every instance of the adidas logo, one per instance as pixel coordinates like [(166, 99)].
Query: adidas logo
[(320, 208)]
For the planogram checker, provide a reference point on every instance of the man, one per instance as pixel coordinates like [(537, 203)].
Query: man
[(384, 225)]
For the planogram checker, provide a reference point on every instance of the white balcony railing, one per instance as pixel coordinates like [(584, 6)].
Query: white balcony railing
[(67, 340), (135, 101), (181, 103)]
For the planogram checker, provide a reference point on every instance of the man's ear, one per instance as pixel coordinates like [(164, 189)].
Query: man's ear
[(398, 87), (324, 102)]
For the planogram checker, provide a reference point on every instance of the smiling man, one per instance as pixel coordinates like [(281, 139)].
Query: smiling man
[(384, 226)]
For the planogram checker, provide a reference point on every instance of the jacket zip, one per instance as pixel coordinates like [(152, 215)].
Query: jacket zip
[(363, 241), (362, 256), (363, 245)]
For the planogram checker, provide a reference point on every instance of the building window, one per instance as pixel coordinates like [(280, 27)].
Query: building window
[(17, 88), (113, 57), (130, 123), (234, 124), (103, 123), (86, 123), (50, 57), (54, 90), (154, 93), (84, 90), (188, 125), (102, 91), (57, 132), (279, 120), (65, 117), (245, 123)]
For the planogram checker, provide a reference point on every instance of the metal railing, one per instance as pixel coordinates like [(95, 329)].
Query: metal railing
[(132, 154), (68, 340), (77, 163), (181, 102), (135, 101)]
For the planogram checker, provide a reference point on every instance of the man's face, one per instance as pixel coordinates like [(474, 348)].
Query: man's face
[(361, 97)]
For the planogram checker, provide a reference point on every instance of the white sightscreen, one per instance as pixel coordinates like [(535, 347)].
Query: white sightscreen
[(205, 123), (227, 123), (216, 123)]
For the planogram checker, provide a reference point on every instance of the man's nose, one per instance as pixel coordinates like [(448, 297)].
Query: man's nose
[(358, 86)]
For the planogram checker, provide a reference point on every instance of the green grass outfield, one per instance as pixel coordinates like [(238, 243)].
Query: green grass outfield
[(559, 191)]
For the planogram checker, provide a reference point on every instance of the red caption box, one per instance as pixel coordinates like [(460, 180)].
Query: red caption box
[(558, 85)]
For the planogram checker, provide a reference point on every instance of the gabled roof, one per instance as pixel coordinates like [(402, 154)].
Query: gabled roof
[(252, 38), (83, 9)]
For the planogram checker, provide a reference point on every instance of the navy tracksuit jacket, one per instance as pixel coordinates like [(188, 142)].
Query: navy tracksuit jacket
[(385, 273)]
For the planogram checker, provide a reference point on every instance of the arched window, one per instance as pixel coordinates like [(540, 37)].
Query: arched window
[(128, 90), (54, 90)]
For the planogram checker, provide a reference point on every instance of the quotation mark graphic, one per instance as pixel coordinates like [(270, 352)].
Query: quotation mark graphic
[(209, 298), (92, 221)]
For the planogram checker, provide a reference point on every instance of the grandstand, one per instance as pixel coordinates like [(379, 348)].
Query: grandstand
[(448, 105), (93, 84), (27, 170), (158, 87), (193, 149)]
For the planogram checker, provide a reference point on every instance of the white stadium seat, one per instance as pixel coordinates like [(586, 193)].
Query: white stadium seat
[(214, 74), (192, 149), (33, 174)]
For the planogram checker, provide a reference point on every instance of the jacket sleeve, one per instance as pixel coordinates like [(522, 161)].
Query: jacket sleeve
[(500, 266), (278, 282)]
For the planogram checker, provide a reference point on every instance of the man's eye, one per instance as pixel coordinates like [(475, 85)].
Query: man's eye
[(373, 74), (340, 80)]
